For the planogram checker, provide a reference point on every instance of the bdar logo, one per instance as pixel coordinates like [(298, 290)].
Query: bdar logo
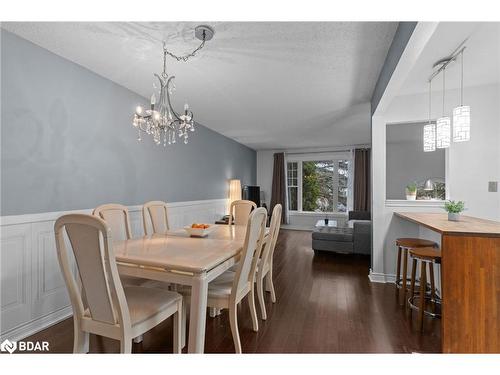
[(8, 346)]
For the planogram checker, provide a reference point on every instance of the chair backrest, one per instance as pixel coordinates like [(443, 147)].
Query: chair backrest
[(101, 290), (239, 211), (156, 213), (117, 218), (245, 273), (274, 228)]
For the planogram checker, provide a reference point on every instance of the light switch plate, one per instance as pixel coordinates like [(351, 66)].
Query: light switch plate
[(492, 186)]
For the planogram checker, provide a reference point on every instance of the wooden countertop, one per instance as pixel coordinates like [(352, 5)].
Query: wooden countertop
[(467, 225)]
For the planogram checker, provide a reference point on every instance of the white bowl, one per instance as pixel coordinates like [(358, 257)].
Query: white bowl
[(199, 232)]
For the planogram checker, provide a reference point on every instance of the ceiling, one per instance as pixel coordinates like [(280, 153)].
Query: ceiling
[(267, 85), (481, 57)]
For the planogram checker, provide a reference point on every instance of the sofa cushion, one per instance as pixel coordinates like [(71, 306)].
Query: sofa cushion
[(333, 234)]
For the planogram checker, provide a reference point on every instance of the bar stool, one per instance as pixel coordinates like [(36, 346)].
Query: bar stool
[(404, 245), (426, 256)]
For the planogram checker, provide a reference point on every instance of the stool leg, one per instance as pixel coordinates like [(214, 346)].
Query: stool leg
[(398, 265), (423, 282), (431, 277), (413, 277), (405, 274)]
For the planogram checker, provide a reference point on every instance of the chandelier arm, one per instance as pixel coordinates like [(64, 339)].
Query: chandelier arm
[(168, 99), (185, 57)]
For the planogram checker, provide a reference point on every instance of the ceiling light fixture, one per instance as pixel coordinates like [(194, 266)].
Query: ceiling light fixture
[(161, 120), (443, 124), (461, 114), (430, 128)]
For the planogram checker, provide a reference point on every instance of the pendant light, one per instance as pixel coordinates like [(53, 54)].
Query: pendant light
[(461, 114), (430, 128), (443, 125)]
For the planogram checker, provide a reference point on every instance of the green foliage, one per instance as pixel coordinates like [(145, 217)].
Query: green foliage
[(310, 186), (411, 188), (454, 207)]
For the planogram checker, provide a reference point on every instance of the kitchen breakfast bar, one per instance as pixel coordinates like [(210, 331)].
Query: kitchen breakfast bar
[(470, 253)]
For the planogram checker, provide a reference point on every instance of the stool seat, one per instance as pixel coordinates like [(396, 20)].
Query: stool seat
[(414, 242), (426, 253)]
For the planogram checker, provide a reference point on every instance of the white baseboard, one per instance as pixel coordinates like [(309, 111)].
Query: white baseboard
[(376, 277), (37, 325)]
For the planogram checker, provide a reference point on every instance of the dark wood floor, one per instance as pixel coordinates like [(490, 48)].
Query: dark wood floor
[(326, 304)]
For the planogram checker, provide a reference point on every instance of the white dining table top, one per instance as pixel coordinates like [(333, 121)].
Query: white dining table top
[(179, 252)]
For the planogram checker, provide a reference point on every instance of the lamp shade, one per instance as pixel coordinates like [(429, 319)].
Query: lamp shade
[(234, 190), (443, 132), (429, 185), (429, 137), (461, 124)]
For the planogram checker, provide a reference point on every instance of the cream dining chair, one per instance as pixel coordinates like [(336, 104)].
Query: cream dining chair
[(227, 290), (117, 218), (155, 212), (102, 306), (265, 264), (239, 211)]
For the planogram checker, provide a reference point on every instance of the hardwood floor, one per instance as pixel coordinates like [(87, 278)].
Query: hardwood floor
[(326, 304)]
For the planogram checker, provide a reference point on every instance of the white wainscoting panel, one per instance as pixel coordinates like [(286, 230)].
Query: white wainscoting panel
[(33, 294)]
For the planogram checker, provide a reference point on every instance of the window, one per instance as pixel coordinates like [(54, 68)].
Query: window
[(319, 185), (292, 183)]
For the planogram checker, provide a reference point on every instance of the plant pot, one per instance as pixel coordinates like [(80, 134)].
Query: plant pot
[(326, 222), (453, 216), (411, 197)]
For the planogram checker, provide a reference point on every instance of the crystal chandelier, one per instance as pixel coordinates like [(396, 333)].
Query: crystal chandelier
[(161, 121)]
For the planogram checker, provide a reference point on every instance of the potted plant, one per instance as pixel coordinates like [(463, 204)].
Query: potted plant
[(454, 209), (411, 191)]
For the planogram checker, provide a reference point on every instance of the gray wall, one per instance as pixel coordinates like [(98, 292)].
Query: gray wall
[(398, 45), (68, 143), (406, 160)]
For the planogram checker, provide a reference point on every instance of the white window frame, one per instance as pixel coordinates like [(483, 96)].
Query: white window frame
[(334, 156)]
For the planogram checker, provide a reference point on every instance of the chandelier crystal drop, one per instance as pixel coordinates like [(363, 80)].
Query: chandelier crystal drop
[(160, 120)]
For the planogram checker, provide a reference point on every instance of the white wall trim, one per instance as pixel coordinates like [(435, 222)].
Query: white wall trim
[(415, 203), (34, 294), (376, 277), (37, 325), (52, 216)]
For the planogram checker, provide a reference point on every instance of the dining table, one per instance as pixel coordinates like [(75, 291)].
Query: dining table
[(177, 258)]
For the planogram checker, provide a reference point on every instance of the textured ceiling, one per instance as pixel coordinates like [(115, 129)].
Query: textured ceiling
[(481, 57), (267, 85)]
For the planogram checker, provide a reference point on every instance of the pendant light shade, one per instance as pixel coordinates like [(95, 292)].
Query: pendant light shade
[(429, 138), (443, 132), (461, 124), (461, 114), (443, 125), (430, 128)]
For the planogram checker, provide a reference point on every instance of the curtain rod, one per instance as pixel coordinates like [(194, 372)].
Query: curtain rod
[(329, 151)]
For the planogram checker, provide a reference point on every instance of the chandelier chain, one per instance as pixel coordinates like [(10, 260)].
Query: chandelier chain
[(185, 57)]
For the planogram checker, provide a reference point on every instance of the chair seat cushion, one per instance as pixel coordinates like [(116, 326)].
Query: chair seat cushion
[(333, 234), (143, 303)]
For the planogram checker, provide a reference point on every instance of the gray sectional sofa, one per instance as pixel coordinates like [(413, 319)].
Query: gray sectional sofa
[(352, 239)]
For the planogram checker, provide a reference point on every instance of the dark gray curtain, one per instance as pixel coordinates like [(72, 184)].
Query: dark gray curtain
[(278, 190), (362, 181)]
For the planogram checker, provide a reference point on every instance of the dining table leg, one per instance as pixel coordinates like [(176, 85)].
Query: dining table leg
[(198, 314)]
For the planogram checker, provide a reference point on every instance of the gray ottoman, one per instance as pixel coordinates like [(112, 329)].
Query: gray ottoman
[(333, 239)]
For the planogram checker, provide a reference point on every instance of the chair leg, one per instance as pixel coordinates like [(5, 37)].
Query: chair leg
[(126, 345), (253, 310), (233, 321), (178, 328), (423, 283), (80, 339), (270, 285), (183, 323), (413, 277), (398, 267), (260, 295), (405, 274)]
